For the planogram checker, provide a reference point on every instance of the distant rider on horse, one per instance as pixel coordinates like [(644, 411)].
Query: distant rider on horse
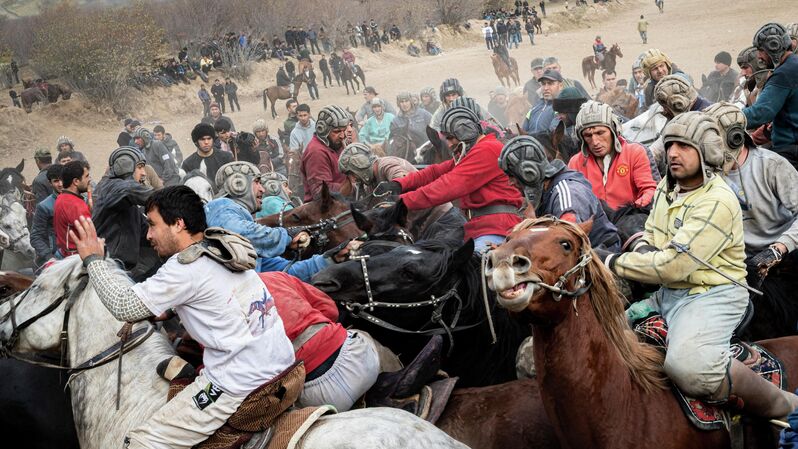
[(599, 49), (501, 50)]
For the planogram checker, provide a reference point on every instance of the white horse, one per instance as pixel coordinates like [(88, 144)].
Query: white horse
[(14, 224), (100, 425)]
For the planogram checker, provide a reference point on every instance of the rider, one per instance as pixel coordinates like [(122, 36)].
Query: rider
[(598, 50), (117, 212), (42, 235), (276, 195), (284, 81), (320, 158), (753, 74), (450, 90), (411, 122), (500, 50), (377, 128), (41, 187), (566, 105), (65, 144), (656, 66), (428, 100), (239, 197), (696, 217), (541, 117), (160, 159), (550, 188), (471, 176), (765, 187), (619, 171), (220, 300), (778, 101), (367, 108), (269, 149)]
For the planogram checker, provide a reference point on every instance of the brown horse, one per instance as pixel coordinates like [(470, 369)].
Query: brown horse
[(517, 107), (32, 95), (589, 65), (352, 77), (274, 93), (505, 73), (56, 91), (587, 357), (623, 103)]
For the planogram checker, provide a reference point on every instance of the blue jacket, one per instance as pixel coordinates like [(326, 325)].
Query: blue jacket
[(541, 118), (778, 102), (42, 235), (569, 191), (269, 243)]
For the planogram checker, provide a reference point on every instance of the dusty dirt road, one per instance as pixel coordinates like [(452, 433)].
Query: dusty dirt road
[(690, 31)]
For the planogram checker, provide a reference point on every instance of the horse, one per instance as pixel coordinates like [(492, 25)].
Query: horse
[(32, 95), (56, 91), (516, 110), (392, 223), (350, 77), (587, 356), (91, 329), (430, 287), (589, 65), (622, 103), (274, 93), (504, 72), (537, 22), (13, 222)]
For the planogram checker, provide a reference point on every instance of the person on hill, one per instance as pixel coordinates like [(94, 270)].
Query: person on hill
[(472, 176), (217, 90), (778, 100), (126, 135), (231, 90), (205, 99), (324, 67), (700, 306), (41, 186), (70, 205), (642, 28), (206, 159), (223, 305)]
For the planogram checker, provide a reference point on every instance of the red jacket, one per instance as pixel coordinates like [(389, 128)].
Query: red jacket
[(629, 179), (477, 181), (301, 305), (68, 208), (320, 164)]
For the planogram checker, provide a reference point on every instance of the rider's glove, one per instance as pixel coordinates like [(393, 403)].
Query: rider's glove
[(388, 188), (766, 259), (607, 257)]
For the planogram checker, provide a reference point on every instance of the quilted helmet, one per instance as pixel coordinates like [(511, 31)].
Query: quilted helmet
[(429, 91), (330, 117), (123, 161), (62, 140), (451, 85), (404, 96), (357, 158), (774, 40), (524, 158), (273, 182), (593, 113), (652, 57), (259, 125), (462, 123), (700, 131), (235, 182), (675, 94), (145, 135), (732, 123)]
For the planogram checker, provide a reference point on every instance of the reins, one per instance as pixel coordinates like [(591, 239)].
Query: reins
[(318, 231)]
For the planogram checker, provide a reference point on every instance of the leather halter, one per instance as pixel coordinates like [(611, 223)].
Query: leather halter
[(318, 231), (359, 310)]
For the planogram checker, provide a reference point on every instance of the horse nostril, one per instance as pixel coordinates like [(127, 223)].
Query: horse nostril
[(521, 264)]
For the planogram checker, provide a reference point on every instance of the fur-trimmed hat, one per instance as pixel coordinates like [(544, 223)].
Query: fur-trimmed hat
[(202, 130)]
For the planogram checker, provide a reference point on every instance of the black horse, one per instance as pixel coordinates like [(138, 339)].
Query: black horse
[(428, 270), (393, 222)]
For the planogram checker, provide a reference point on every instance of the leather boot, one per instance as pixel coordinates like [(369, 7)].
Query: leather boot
[(760, 397)]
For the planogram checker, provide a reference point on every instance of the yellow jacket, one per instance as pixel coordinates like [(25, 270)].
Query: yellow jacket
[(709, 221)]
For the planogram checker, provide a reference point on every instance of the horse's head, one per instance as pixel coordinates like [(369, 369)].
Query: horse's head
[(49, 289), (200, 184), (384, 223), (407, 273), (14, 223), (616, 49), (538, 259), (326, 207), (12, 179)]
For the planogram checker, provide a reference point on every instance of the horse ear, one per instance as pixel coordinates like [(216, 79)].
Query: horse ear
[(586, 226), (361, 220), (400, 213), (326, 199), (21, 166), (463, 254)]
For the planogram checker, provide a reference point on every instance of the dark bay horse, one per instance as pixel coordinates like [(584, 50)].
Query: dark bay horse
[(587, 357), (504, 72), (447, 271), (589, 65), (352, 77), (274, 93)]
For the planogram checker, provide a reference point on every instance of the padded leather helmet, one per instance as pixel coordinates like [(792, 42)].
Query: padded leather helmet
[(235, 182), (674, 93), (123, 161), (62, 140), (145, 135), (732, 124), (593, 113), (700, 131), (524, 158), (451, 85), (357, 158), (330, 117), (652, 57), (774, 40)]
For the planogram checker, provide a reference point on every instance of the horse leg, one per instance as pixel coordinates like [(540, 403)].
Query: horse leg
[(273, 101)]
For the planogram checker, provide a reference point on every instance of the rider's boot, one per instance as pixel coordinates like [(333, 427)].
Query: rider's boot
[(175, 368), (758, 396)]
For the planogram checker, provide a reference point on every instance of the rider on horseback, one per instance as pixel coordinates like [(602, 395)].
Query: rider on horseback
[(598, 51), (500, 50), (411, 121), (693, 246)]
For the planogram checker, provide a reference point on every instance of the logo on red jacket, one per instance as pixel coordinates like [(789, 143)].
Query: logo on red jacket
[(622, 170)]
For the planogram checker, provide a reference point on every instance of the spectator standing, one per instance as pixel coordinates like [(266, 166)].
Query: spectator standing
[(14, 98), (126, 135), (313, 37), (205, 98), (160, 134), (310, 80), (303, 130), (530, 31), (231, 89), (70, 204), (15, 71), (487, 33), (41, 186), (217, 90), (542, 5), (642, 28), (325, 70), (206, 159)]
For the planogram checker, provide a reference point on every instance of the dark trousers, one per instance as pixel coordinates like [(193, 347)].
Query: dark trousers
[(313, 90), (233, 99), (326, 77), (314, 47), (489, 42), (206, 108), (220, 100)]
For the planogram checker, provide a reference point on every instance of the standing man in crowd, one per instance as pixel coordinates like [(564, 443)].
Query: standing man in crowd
[(205, 98), (231, 90), (70, 204), (320, 158), (722, 81), (217, 90), (206, 159), (532, 86), (126, 135), (303, 131), (166, 139), (157, 156), (325, 70), (541, 117), (42, 235), (41, 186)]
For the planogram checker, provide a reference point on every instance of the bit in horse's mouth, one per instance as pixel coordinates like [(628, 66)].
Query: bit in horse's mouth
[(516, 299), (512, 293)]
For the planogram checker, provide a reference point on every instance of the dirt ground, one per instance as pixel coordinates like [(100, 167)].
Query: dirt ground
[(690, 32)]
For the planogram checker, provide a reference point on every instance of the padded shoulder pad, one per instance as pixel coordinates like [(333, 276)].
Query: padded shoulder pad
[(228, 248)]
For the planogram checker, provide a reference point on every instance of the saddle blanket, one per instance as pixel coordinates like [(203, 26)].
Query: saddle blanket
[(704, 415)]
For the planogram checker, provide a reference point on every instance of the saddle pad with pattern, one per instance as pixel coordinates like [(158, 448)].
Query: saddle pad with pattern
[(704, 415)]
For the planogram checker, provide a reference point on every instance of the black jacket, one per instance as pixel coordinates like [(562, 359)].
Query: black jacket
[(217, 90), (119, 217)]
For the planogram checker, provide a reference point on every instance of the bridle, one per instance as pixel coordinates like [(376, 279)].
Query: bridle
[(6, 209), (318, 231), (359, 310), (129, 339)]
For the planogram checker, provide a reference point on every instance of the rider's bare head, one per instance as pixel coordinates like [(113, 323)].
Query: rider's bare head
[(176, 219)]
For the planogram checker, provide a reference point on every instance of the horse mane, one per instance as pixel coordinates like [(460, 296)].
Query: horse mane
[(61, 273), (644, 361)]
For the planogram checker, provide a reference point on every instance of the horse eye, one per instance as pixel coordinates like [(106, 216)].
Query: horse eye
[(566, 245), (295, 217)]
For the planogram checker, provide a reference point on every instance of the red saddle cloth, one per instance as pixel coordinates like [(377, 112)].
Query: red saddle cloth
[(705, 415)]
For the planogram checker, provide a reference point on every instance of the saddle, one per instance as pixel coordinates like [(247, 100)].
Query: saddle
[(710, 415), (419, 388)]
